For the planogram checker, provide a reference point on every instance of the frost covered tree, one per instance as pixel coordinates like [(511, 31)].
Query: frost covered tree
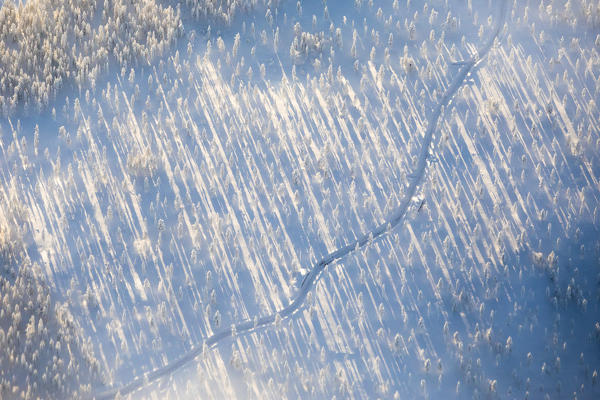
[(42, 351), (43, 43)]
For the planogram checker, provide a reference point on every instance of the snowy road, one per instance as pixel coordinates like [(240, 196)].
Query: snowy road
[(466, 68)]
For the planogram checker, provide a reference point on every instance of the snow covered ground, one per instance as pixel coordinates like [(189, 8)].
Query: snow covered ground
[(267, 199)]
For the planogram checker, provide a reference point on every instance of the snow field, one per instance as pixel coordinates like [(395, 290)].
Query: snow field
[(187, 194)]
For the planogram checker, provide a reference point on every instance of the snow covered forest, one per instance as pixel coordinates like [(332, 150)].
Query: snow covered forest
[(266, 199)]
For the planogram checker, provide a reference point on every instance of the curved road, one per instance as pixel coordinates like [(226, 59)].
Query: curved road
[(312, 277)]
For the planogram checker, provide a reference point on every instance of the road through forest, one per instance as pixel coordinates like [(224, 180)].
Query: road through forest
[(245, 327)]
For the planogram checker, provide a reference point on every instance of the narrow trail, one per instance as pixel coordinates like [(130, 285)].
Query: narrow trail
[(313, 276)]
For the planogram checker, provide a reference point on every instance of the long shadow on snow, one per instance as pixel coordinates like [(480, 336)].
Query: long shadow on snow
[(312, 277)]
